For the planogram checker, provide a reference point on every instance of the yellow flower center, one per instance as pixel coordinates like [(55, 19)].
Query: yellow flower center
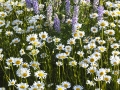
[(43, 36), (1, 22), (92, 60), (40, 74), (24, 74), (101, 73), (60, 88), (92, 71), (106, 79), (77, 88), (22, 86), (65, 85), (10, 61), (39, 85), (102, 24), (18, 62), (32, 39)]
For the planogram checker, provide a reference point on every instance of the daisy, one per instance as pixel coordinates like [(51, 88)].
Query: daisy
[(111, 39), (34, 64), (102, 48), (39, 84), (101, 42), (60, 47), (25, 65), (30, 47), (68, 48), (113, 13), (94, 29), (73, 63), (81, 34), (93, 15), (3, 14), (17, 61), (91, 45), (115, 46), (43, 35), (69, 21), (91, 70), (66, 84), (23, 72), (49, 39), (61, 56), (109, 4), (11, 82), (60, 87), (30, 29), (33, 87), (103, 23), (8, 33), (77, 26), (111, 32), (2, 23), (112, 24), (107, 78), (59, 63), (77, 87), (9, 61), (34, 52), (56, 40), (22, 52), (80, 53), (91, 83), (22, 86), (115, 53), (71, 41), (40, 74), (101, 72), (75, 35), (31, 37), (43, 55), (15, 41)]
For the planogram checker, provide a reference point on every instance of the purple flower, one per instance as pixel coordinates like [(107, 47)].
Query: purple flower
[(28, 3), (57, 23), (75, 1), (100, 12), (87, 1), (74, 21), (67, 7), (95, 4), (49, 12), (76, 11), (35, 6)]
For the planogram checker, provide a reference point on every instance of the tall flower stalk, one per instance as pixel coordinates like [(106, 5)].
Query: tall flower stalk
[(67, 8), (28, 3), (57, 23), (35, 6)]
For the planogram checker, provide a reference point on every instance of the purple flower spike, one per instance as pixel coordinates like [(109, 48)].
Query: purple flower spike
[(100, 12), (95, 4), (56, 23), (49, 12), (76, 11), (74, 21), (35, 6), (87, 1), (67, 7), (28, 3)]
